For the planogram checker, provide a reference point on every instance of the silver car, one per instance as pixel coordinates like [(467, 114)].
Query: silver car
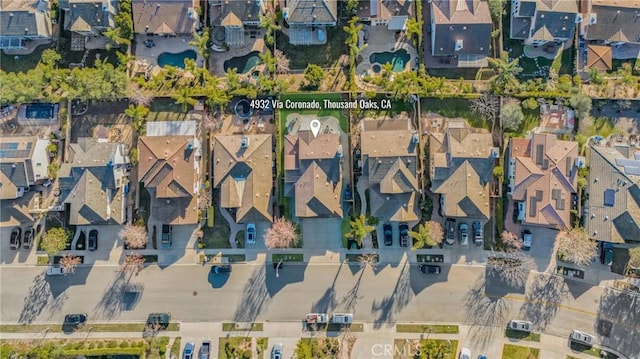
[(582, 337), (276, 352), (521, 325)]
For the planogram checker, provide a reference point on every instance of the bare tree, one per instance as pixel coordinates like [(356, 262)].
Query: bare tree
[(368, 260), (69, 263), (140, 96), (552, 80), (486, 106), (513, 269), (634, 257), (134, 236), (133, 263), (574, 246), (282, 62), (282, 234), (511, 242)]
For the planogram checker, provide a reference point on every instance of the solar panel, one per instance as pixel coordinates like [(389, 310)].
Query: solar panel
[(539, 154), (632, 170), (560, 205), (626, 162), (555, 194), (533, 206), (636, 156), (609, 197), (539, 195)]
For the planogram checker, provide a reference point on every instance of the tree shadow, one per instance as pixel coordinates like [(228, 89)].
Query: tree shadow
[(543, 298), (402, 295), (288, 273), (617, 321), (255, 297), (111, 303), (328, 300), (497, 285), (36, 300), (420, 281), (486, 313)]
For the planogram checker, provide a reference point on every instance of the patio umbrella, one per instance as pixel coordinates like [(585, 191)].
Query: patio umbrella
[(164, 29)]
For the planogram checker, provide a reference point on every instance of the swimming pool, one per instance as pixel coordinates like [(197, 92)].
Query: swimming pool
[(177, 60), (399, 59), (243, 64)]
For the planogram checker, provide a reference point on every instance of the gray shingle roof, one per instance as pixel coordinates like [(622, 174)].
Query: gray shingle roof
[(615, 23), (164, 16), (92, 13), (245, 11), (312, 11), (559, 24), (474, 38)]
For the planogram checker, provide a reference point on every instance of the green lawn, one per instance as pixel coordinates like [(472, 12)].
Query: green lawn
[(426, 328), (588, 350), (289, 257), (601, 126), (175, 348), (353, 327), (23, 63), (165, 109), (516, 334), (467, 74), (324, 55), (345, 227), (517, 352), (406, 346), (218, 235), (340, 115), (531, 120), (452, 107), (240, 347), (229, 327)]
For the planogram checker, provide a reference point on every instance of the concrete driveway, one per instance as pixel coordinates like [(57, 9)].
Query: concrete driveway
[(321, 233)]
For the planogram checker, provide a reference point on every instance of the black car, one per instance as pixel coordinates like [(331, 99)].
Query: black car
[(160, 319), (167, 236), (219, 269), (388, 234), (75, 320), (430, 269), (16, 238), (29, 233), (450, 228), (404, 234), (93, 240)]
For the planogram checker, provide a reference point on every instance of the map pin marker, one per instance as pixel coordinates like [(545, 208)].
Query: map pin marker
[(315, 127)]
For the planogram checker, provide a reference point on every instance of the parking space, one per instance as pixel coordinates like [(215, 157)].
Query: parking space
[(320, 233), (460, 225), (108, 236)]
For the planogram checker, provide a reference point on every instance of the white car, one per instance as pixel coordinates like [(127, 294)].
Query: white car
[(582, 337), (521, 325), (465, 353), (56, 271), (342, 318)]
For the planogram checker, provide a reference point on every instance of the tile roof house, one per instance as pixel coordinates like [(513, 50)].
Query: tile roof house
[(390, 165), (313, 177), (89, 17), (23, 163), (538, 22), (390, 13), (169, 167), (22, 20), (599, 57), (543, 174), (93, 185), (461, 165), (614, 195), (234, 16), (165, 17), (308, 18), (243, 172), (611, 22), (461, 28)]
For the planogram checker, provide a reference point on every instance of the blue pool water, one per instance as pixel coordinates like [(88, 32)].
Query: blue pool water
[(399, 59), (243, 64), (177, 60)]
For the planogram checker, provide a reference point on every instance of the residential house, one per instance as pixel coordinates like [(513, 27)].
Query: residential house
[(390, 13), (313, 175), (543, 175), (307, 19), (23, 163), (390, 167), (461, 32), (461, 162), (89, 17), (538, 22), (613, 213), (165, 17), (235, 16), (243, 174), (22, 21), (95, 182), (612, 23), (169, 168)]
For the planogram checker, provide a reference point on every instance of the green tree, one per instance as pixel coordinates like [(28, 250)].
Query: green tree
[(414, 30), (50, 58), (124, 20), (530, 103), (498, 171), (582, 104), (429, 234), (269, 62), (511, 116), (137, 113), (313, 75), (115, 37), (267, 22), (201, 42), (435, 349), (634, 257), (504, 81), (496, 9), (352, 6), (359, 229), (184, 97), (55, 240)]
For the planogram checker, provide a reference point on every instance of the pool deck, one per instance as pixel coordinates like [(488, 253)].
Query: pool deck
[(383, 40), (217, 59), (173, 45)]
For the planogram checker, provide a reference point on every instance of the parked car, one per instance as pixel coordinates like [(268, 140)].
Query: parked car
[(187, 353), (29, 234), (167, 236), (477, 233), (16, 238), (464, 234), (75, 320), (205, 350), (450, 227), (219, 269), (521, 325), (388, 234), (430, 269), (276, 352), (251, 233), (404, 234), (582, 337), (527, 240), (465, 353), (92, 245), (160, 319), (606, 253), (342, 318), (55, 271)]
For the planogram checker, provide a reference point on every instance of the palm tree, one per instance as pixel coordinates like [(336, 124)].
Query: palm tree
[(183, 97), (425, 236), (113, 34), (201, 42), (359, 229), (216, 97), (137, 113), (269, 61), (504, 81), (267, 22), (414, 29)]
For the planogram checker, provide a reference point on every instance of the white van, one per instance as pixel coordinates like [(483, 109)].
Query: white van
[(342, 318)]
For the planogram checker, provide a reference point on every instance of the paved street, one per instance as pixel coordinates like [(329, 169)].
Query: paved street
[(379, 298)]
